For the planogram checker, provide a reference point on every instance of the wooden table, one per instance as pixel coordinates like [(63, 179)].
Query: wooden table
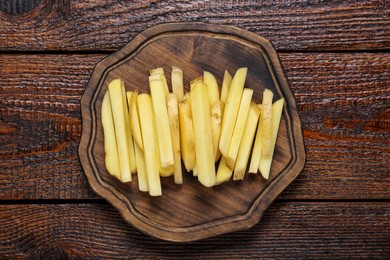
[(336, 58)]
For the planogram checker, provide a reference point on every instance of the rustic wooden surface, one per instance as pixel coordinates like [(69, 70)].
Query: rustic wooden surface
[(335, 54)]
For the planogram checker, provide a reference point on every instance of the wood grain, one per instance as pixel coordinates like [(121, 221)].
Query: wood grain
[(294, 229), (40, 125), (108, 25)]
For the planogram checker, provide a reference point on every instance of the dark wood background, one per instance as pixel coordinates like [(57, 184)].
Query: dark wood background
[(336, 58)]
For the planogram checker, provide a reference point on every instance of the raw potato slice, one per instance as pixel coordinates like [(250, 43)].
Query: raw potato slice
[(224, 173), (194, 81), (119, 111), (239, 127), (110, 148), (266, 161), (266, 131), (162, 123), (160, 71), (134, 121), (216, 119), (173, 115), (203, 137), (212, 87), (258, 147), (141, 169), (187, 136), (227, 80), (130, 141), (146, 116), (231, 110), (246, 142), (177, 82)]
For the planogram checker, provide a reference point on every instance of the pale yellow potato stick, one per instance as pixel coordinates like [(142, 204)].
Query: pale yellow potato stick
[(239, 127), (266, 161), (177, 82), (119, 112), (110, 147), (212, 87), (203, 136), (160, 71), (224, 173), (231, 110), (266, 130), (187, 136), (146, 116), (216, 119), (134, 121), (227, 80), (174, 125), (194, 81), (141, 169), (246, 142), (130, 142), (162, 122), (257, 147)]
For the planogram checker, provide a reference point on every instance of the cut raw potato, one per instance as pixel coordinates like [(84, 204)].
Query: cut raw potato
[(263, 132), (120, 114), (224, 173), (177, 82), (231, 110), (134, 121), (266, 131), (146, 116), (246, 142), (203, 136), (174, 125), (160, 71), (227, 80), (162, 122), (216, 119), (141, 169), (194, 81), (187, 136), (266, 161), (110, 148), (212, 87), (239, 127)]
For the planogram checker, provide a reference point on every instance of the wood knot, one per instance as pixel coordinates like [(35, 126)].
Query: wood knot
[(18, 6)]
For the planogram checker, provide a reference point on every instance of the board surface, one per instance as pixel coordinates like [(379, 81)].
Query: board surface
[(190, 211)]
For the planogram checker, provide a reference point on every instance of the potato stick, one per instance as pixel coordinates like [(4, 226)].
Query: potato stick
[(246, 142), (266, 161), (119, 112), (177, 82), (160, 71), (231, 110), (110, 147), (134, 121), (162, 123), (173, 115), (224, 173), (200, 110), (227, 80), (187, 136), (239, 127), (146, 116), (212, 87)]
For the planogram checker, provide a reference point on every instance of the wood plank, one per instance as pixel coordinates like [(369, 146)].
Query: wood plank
[(294, 229), (108, 25), (344, 107)]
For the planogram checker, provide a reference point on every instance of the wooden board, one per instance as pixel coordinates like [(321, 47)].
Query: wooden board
[(54, 25), (40, 124), (298, 230), (179, 215)]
